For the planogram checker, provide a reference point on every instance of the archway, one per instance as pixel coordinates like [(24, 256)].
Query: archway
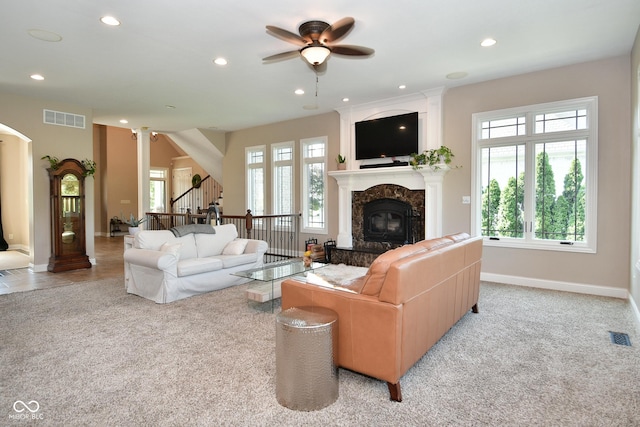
[(16, 198)]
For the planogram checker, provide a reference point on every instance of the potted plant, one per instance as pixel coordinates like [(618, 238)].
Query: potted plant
[(434, 158), (342, 162), (54, 162), (89, 165), (133, 223)]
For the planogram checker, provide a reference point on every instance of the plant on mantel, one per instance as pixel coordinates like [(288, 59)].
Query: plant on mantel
[(434, 158)]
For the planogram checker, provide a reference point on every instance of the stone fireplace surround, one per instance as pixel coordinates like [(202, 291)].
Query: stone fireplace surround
[(428, 104), (426, 179)]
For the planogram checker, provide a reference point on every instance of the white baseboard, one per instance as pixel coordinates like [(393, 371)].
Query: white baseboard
[(39, 268), (578, 288), (634, 307), (19, 247)]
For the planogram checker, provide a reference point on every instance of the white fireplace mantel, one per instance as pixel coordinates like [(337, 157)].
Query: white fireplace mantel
[(427, 179)]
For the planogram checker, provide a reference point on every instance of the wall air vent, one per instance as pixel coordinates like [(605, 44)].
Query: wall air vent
[(63, 119)]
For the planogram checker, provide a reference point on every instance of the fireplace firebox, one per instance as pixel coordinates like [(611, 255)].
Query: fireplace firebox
[(387, 220)]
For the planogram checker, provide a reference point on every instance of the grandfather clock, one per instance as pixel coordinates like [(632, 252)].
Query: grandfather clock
[(68, 245)]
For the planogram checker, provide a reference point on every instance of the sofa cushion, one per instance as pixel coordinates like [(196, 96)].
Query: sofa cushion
[(437, 243), (235, 247), (229, 261), (198, 265), (213, 244), (378, 270), (172, 248), (188, 248), (152, 239)]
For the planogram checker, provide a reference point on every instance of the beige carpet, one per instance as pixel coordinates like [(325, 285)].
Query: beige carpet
[(90, 354), (10, 260)]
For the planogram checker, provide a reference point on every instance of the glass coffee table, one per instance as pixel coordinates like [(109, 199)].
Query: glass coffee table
[(271, 275)]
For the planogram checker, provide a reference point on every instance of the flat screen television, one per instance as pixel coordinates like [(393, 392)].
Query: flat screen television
[(392, 136)]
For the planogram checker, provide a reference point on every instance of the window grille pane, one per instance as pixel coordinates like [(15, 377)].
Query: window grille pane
[(282, 154), (255, 180), (283, 191), (514, 126), (503, 186), (314, 150), (254, 157), (560, 190), (157, 196), (315, 195), (561, 121), (157, 173)]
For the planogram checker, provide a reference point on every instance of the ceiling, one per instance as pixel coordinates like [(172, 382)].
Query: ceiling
[(156, 69)]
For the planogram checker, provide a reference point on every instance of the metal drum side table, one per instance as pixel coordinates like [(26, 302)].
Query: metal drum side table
[(306, 350)]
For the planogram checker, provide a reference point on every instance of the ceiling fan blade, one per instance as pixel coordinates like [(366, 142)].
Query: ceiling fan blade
[(282, 56), (337, 30), (351, 50), (286, 35)]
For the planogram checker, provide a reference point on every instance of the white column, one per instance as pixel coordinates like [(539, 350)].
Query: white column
[(144, 161)]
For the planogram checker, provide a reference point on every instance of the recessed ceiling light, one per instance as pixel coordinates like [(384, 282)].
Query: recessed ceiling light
[(109, 20), (487, 42), (220, 61), (299, 92), (345, 99), (457, 75), (46, 36), (124, 121), (36, 77), (171, 107), (402, 87)]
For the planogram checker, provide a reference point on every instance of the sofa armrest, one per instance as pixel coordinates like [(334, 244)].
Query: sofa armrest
[(369, 331), (160, 260), (256, 246)]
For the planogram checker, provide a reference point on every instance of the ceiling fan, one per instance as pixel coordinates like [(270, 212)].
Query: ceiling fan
[(316, 40)]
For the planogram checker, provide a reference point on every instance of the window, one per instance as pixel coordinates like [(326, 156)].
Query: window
[(254, 164), (314, 183), (282, 180), (158, 189), (535, 178)]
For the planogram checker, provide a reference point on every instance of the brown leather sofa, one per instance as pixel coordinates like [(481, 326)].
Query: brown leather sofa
[(409, 298)]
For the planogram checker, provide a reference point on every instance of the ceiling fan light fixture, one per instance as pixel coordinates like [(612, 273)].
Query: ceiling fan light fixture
[(315, 55)]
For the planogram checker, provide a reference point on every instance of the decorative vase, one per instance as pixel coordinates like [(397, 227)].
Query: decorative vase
[(133, 230), (307, 261)]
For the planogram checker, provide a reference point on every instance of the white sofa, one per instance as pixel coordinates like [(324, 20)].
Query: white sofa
[(165, 268)]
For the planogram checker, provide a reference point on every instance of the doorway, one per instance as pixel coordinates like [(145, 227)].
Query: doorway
[(16, 198)]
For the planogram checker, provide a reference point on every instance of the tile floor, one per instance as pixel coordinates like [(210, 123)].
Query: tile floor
[(108, 264)]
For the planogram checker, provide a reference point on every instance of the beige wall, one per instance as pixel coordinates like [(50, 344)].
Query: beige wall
[(608, 79), (609, 267), (635, 143), (15, 192), (118, 175), (25, 116), (292, 130)]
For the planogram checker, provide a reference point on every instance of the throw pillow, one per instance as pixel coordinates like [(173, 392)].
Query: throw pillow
[(172, 248), (235, 247)]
